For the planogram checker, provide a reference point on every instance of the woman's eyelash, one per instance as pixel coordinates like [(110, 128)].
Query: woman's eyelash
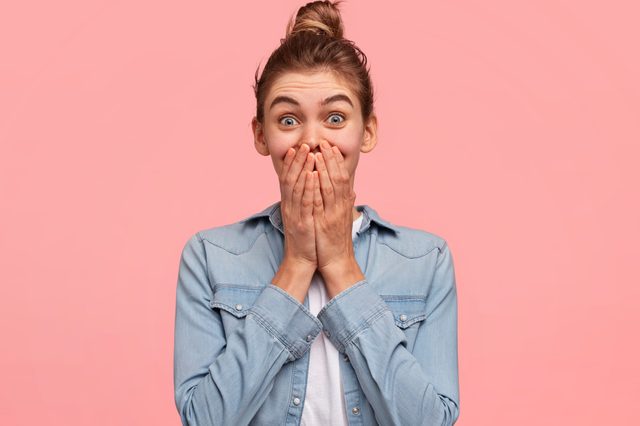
[(287, 116), (330, 115)]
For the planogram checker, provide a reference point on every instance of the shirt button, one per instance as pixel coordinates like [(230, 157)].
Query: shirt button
[(355, 410), (296, 401), (346, 357), (327, 333), (238, 307), (403, 317), (309, 338)]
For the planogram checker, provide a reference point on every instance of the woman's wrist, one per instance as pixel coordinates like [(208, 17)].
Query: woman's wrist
[(340, 276), (294, 277)]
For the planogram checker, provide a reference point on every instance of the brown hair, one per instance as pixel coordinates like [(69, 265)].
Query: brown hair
[(315, 42)]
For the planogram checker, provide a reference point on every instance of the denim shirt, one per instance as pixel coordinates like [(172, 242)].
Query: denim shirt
[(241, 344)]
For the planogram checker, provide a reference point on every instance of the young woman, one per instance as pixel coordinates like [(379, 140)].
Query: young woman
[(315, 311)]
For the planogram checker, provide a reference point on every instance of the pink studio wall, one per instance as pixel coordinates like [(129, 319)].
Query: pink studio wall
[(510, 128)]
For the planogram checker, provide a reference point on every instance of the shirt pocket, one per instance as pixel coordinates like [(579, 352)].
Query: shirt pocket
[(235, 299), (408, 313)]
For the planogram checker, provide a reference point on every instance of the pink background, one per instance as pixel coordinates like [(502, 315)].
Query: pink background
[(509, 128)]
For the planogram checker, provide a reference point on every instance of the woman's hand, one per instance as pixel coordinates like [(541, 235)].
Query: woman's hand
[(296, 189), (333, 219)]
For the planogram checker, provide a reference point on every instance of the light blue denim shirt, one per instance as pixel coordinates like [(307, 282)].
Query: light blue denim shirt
[(241, 344)]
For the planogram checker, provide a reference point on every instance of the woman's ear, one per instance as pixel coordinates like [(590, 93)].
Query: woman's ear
[(258, 137), (370, 136)]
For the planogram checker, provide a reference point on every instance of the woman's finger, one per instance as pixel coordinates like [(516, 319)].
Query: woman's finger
[(306, 209), (298, 189), (326, 187), (345, 182), (293, 172), (284, 172), (286, 163), (318, 203), (289, 179), (332, 168)]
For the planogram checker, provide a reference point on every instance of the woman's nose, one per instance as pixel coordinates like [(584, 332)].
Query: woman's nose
[(312, 137)]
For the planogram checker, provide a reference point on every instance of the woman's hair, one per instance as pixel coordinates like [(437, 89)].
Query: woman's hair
[(315, 42)]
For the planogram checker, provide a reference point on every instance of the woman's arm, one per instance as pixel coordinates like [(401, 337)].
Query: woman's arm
[(224, 380), (403, 387)]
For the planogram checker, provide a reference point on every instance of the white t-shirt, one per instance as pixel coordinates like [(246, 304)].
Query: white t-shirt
[(323, 402)]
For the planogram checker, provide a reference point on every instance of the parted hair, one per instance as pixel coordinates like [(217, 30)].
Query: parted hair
[(314, 41)]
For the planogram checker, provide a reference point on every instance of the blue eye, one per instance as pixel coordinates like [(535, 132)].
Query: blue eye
[(289, 121), (336, 115)]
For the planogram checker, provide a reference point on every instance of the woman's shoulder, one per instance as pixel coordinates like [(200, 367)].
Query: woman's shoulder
[(406, 240), (236, 237), (412, 241)]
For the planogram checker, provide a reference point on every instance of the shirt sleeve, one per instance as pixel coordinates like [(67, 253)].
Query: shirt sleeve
[(403, 387), (224, 379)]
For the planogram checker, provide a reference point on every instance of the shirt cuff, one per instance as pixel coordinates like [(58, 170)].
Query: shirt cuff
[(350, 312), (286, 319)]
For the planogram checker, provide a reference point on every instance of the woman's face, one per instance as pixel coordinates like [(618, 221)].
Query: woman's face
[(310, 108)]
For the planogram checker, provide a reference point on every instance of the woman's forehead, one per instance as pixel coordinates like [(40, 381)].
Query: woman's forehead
[(309, 81), (309, 86)]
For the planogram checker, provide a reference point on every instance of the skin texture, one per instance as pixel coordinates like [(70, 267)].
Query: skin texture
[(318, 211)]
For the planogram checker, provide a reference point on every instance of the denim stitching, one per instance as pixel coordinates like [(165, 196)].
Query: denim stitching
[(270, 329), (344, 293), (404, 255), (300, 307), (363, 326), (232, 252)]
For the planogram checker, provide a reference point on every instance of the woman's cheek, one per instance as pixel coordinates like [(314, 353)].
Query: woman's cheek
[(347, 148), (278, 149), (279, 144)]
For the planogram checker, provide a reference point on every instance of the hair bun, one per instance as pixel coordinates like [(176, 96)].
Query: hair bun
[(319, 17)]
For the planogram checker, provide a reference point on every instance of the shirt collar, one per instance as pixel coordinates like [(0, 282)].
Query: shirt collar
[(275, 217)]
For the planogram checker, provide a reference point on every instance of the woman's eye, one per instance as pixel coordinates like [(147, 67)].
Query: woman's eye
[(287, 121), (333, 121)]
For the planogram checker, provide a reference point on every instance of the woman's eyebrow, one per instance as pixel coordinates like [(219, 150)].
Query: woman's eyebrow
[(334, 98)]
